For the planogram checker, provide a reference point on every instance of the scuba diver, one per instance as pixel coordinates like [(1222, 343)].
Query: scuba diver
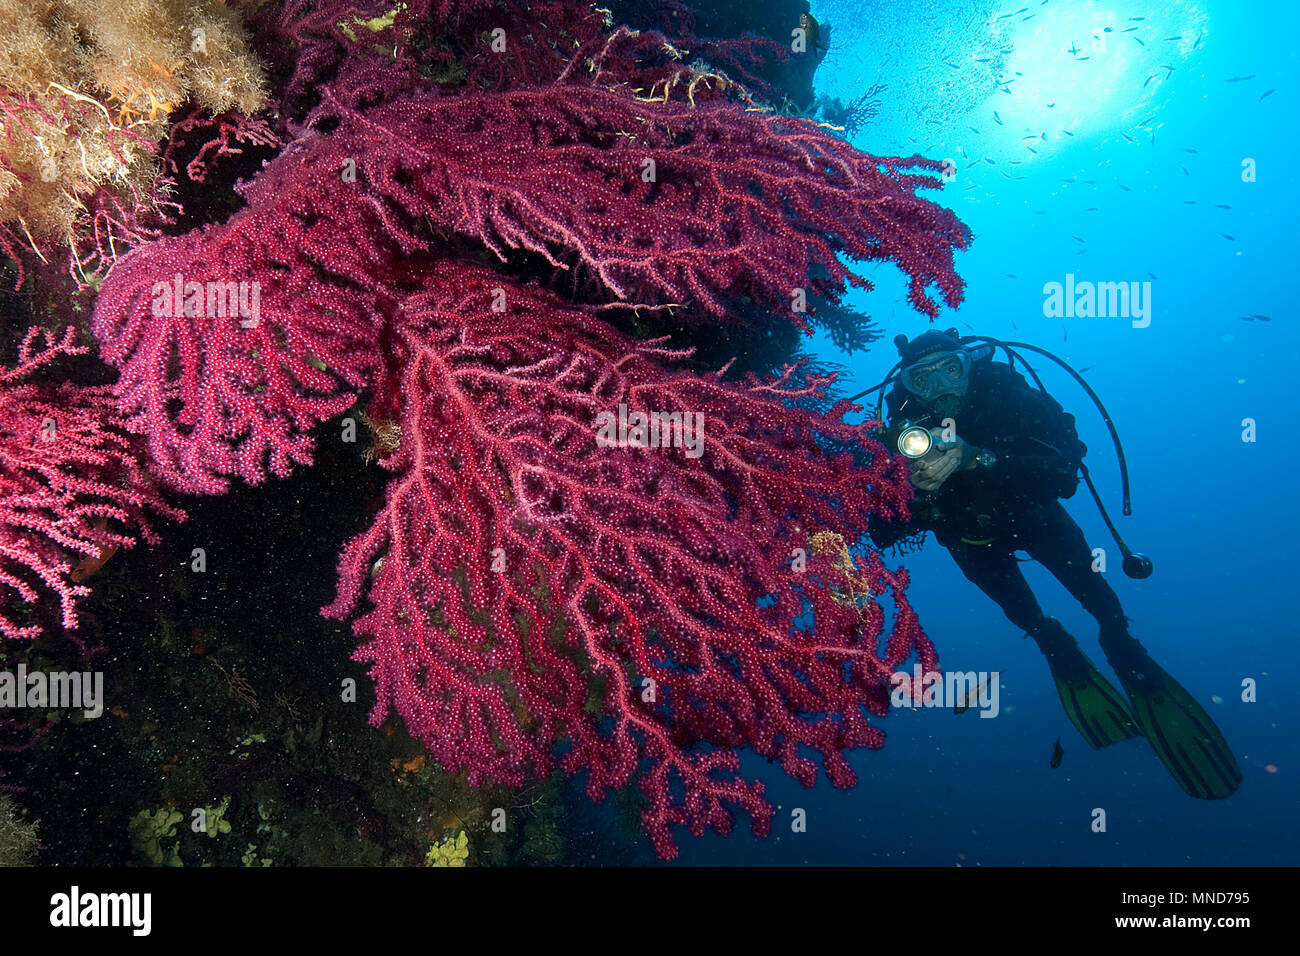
[(991, 457)]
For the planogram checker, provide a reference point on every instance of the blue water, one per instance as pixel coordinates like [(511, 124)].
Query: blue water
[(1217, 514)]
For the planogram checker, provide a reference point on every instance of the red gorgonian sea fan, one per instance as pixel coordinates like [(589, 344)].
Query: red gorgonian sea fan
[(740, 205), (71, 482), (538, 596), (524, 567)]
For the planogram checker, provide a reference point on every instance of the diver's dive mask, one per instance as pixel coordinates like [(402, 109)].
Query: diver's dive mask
[(947, 373)]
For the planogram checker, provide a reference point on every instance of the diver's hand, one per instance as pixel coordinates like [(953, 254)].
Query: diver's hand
[(930, 472)]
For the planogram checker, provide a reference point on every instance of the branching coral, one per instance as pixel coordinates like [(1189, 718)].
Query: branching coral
[(70, 483), (532, 596), (466, 255)]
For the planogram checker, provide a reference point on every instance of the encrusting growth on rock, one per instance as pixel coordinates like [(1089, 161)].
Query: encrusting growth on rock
[(88, 89)]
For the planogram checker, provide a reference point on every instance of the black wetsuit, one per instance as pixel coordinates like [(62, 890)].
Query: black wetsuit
[(986, 514)]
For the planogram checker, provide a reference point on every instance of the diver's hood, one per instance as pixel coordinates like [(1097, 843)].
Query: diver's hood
[(936, 364), (911, 352)]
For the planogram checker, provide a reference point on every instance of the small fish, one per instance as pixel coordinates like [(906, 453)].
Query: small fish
[(1089, 182), (1153, 139), (1148, 82), (1190, 150), (953, 66), (1135, 19), (990, 161), (1005, 173), (1189, 202), (1074, 50), (1067, 132), (811, 30), (1239, 79), (1057, 753), (1040, 212), (1080, 59), (1153, 275), (1248, 318), (996, 118), (1183, 168), (1011, 275), (1032, 150), (1123, 187), (1128, 30), (1138, 40), (1265, 93), (1262, 318), (1065, 333), (1228, 237), (1050, 105), (973, 130), (1014, 326), (1179, 37), (1219, 205), (971, 696), (1165, 66), (1081, 252), (984, 59), (1028, 18), (90, 564), (1088, 369), (1091, 209), (1126, 136), (1076, 238)]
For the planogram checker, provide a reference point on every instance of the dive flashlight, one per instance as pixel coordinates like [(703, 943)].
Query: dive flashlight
[(915, 441)]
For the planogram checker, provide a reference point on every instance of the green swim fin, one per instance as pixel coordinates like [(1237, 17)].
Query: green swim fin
[(1092, 703), (1184, 737)]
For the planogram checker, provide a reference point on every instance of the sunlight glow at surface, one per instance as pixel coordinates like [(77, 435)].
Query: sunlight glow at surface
[(1081, 70), (1084, 87)]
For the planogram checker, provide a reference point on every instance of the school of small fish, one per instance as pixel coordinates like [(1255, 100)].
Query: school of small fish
[(1031, 139)]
